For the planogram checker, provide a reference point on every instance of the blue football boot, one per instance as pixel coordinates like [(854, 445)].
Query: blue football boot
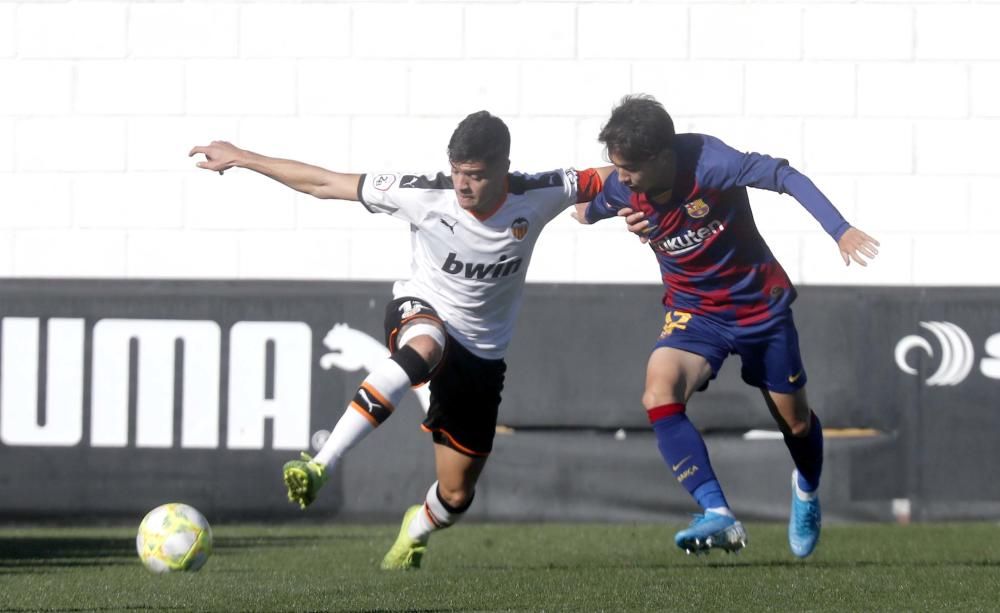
[(712, 531), (805, 520)]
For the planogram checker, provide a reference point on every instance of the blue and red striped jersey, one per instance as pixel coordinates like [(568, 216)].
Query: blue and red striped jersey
[(712, 258)]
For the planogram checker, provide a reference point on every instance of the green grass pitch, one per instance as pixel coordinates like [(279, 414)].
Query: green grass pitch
[(510, 567)]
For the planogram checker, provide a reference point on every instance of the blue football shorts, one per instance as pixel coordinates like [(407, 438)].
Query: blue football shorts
[(769, 350)]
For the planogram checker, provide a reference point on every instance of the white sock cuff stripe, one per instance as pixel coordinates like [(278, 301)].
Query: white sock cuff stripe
[(421, 329), (438, 514)]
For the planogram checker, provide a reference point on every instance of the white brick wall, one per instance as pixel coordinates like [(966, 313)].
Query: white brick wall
[(36, 201), (891, 106), (270, 30), (72, 30), (984, 209), (820, 89), (838, 31), (7, 23), (142, 87), (893, 89), (425, 30), (648, 26), (459, 87), (958, 32), (352, 87), (36, 87), (240, 87), (133, 200), (758, 32), (6, 146), (985, 94), (188, 254), (70, 144), (70, 253), (711, 88), (182, 30), (526, 31), (6, 253)]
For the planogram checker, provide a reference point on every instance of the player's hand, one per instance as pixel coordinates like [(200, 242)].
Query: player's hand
[(219, 156), (579, 212), (854, 244), (637, 223)]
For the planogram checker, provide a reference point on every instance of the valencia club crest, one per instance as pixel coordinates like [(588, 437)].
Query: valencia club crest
[(519, 228)]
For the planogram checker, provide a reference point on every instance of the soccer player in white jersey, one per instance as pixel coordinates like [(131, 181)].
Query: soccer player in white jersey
[(473, 230)]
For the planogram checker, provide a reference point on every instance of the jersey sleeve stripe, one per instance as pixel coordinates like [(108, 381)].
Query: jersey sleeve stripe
[(361, 193), (589, 184)]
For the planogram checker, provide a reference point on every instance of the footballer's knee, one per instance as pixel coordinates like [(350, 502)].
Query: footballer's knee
[(421, 348), (798, 428), (425, 338), (455, 497), (652, 399), (799, 422)]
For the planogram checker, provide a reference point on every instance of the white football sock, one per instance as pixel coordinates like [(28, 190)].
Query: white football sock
[(391, 382), (801, 493), (433, 516), (721, 511), (351, 428)]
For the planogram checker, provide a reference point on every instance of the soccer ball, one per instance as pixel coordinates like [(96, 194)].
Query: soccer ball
[(174, 537)]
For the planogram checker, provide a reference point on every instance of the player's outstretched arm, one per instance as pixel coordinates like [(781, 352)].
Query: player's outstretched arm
[(306, 178), (854, 243)]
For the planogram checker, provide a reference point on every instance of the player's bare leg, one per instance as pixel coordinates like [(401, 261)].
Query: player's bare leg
[(447, 500), (790, 411), (803, 435), (672, 376)]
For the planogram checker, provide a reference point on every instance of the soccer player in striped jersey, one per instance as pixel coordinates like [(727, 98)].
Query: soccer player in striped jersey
[(725, 293), (473, 230)]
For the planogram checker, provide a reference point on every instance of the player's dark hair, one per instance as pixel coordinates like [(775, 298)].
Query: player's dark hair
[(639, 129), (480, 137)]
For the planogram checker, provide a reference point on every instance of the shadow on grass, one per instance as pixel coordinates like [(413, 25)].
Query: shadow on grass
[(29, 551), (384, 610), (250, 542), (32, 553), (111, 608), (735, 564)]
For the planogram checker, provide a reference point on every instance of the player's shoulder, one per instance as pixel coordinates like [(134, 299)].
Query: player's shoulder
[(520, 183), (695, 144), (436, 181), (707, 157)]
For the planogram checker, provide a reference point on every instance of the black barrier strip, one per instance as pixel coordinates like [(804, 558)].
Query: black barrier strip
[(42, 379), (133, 391), (269, 357), (179, 383)]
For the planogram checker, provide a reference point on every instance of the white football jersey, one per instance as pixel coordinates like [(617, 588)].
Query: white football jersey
[(472, 271)]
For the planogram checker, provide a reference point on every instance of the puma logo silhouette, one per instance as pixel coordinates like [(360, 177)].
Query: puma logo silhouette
[(369, 402), (450, 226)]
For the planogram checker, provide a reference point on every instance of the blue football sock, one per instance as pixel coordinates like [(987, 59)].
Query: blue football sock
[(709, 495), (684, 451), (807, 454)]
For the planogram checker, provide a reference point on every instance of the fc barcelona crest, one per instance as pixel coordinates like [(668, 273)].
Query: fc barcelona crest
[(697, 209), (519, 228)]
